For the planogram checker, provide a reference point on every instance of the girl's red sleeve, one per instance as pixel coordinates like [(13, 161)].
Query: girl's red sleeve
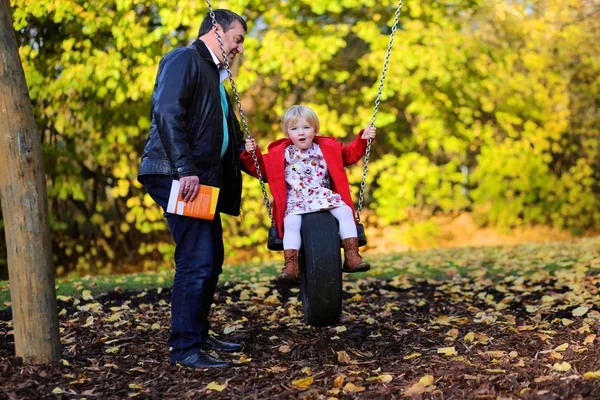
[(354, 151), (246, 157)]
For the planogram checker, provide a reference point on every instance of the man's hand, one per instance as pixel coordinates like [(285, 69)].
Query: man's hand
[(188, 187)]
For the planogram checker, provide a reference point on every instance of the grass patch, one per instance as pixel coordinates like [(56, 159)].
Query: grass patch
[(495, 262)]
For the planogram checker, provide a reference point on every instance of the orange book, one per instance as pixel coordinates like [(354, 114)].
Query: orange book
[(203, 206)]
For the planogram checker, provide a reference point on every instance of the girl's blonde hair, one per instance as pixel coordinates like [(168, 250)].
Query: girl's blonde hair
[(294, 113)]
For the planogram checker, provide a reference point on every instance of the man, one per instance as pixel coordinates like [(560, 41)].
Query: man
[(196, 138)]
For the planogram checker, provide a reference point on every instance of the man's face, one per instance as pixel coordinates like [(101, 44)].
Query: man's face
[(233, 41)]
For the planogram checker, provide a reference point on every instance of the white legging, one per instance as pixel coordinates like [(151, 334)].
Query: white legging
[(293, 222)]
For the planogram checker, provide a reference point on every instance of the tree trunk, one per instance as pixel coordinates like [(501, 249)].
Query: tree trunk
[(25, 210)]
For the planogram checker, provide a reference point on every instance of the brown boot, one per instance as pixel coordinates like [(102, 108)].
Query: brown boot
[(353, 262), (290, 274)]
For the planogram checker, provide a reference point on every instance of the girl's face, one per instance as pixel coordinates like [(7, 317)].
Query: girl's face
[(301, 133)]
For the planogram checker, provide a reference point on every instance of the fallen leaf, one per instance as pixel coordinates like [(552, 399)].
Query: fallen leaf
[(591, 375), (351, 388), (427, 380), (562, 347), (343, 357), (413, 355), (562, 366), (417, 388), (284, 349), (580, 311), (216, 387), (447, 351), (303, 383)]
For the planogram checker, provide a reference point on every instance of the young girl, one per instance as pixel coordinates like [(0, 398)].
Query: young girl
[(306, 174)]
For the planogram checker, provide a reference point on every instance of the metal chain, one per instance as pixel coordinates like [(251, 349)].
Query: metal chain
[(376, 109), (241, 111)]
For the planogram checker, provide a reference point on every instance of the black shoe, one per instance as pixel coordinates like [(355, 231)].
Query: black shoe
[(201, 360), (212, 343)]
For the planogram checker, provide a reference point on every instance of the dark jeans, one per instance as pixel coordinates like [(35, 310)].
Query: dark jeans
[(198, 264)]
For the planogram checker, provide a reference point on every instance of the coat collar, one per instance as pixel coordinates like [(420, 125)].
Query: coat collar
[(281, 144), (203, 50)]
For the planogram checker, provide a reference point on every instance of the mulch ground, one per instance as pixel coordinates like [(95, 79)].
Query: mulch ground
[(460, 339)]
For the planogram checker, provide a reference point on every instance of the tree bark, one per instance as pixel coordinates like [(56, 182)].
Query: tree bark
[(25, 210)]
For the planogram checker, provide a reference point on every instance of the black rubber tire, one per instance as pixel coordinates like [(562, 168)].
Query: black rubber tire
[(321, 269)]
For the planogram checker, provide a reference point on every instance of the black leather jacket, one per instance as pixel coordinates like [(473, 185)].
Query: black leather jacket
[(186, 134)]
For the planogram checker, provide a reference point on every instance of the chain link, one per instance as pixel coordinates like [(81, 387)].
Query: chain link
[(376, 109), (241, 111)]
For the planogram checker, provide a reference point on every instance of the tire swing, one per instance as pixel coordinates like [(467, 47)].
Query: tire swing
[(320, 257)]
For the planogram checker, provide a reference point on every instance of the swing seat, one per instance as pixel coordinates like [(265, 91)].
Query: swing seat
[(362, 237), (274, 242)]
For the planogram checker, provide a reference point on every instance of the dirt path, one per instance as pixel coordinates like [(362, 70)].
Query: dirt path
[(452, 340)]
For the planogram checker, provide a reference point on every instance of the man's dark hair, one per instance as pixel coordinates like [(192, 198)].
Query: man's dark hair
[(225, 18)]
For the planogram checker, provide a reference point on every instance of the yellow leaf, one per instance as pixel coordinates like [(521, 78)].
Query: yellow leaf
[(562, 366), (496, 371), (513, 354), (111, 350), (86, 295), (495, 353), (216, 387), (155, 326), (272, 300), (386, 378), (350, 388), (580, 311), (303, 383), (306, 370), (427, 380), (447, 351), (111, 365), (413, 355), (589, 339), (339, 381), (57, 390), (562, 347), (556, 355), (138, 386), (340, 329), (566, 321), (469, 337), (114, 317), (591, 375)]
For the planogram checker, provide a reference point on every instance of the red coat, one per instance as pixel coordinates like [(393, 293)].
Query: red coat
[(272, 168)]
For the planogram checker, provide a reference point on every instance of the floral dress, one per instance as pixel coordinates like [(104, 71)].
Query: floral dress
[(308, 182)]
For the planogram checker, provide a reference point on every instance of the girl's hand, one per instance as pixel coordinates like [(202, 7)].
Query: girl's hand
[(369, 133), (250, 145)]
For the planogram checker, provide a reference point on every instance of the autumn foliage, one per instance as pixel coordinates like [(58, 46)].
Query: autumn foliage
[(489, 107)]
